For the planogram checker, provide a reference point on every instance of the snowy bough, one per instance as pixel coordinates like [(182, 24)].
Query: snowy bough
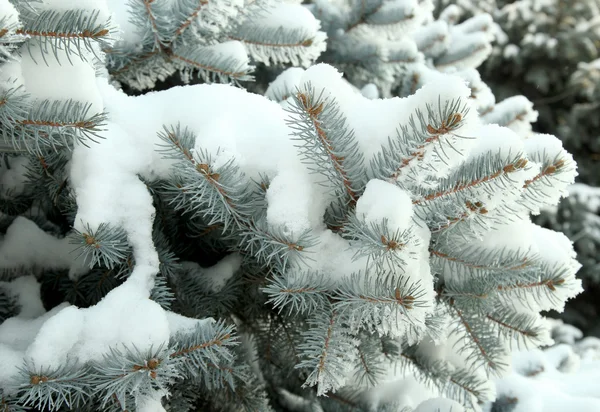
[(204, 247)]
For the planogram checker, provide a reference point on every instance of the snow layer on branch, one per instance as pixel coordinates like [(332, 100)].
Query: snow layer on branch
[(233, 50), (290, 16), (557, 172), (222, 117), (16, 334), (516, 113), (374, 121), (46, 77), (87, 334)]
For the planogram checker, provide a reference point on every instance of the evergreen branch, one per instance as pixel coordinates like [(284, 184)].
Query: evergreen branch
[(364, 14), (326, 140), (327, 351), (379, 243), (273, 246), (467, 388), (493, 267), (451, 221), (432, 373), (520, 327), (448, 60), (66, 32), (218, 341), (475, 295), (280, 45), (106, 245), (425, 132), (223, 196), (54, 124), (483, 348), (121, 374), (461, 186), (381, 303), (347, 403), (219, 194), (81, 35), (131, 64), (90, 287), (201, 296), (189, 20), (557, 170), (14, 107), (302, 43), (67, 385), (152, 19), (14, 204), (301, 293), (10, 404), (370, 368), (179, 143), (546, 171), (211, 64), (518, 117), (221, 72), (9, 306), (208, 344), (551, 284), (451, 123), (455, 383), (475, 339)]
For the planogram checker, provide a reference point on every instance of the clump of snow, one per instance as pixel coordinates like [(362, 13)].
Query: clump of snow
[(285, 84), (385, 201), (370, 91), (294, 211)]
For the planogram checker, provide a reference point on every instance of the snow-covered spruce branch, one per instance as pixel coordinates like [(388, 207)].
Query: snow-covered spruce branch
[(214, 40), (390, 42)]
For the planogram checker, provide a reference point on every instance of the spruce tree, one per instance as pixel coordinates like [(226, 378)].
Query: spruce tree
[(207, 248)]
